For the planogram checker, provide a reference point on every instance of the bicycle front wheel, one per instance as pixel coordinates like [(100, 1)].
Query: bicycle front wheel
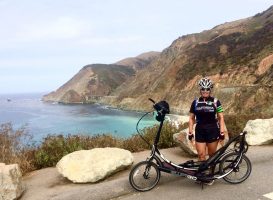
[(144, 176), (237, 146), (239, 173)]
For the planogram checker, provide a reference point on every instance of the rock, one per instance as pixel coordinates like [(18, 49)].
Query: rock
[(259, 131), (265, 65), (11, 185), (188, 146), (184, 143), (93, 165)]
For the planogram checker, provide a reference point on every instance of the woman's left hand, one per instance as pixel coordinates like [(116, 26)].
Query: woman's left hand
[(222, 136)]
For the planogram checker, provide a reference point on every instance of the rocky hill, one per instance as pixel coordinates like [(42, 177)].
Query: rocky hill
[(90, 82), (237, 56), (140, 61), (94, 81)]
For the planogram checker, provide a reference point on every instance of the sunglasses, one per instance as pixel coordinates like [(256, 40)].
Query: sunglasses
[(205, 89)]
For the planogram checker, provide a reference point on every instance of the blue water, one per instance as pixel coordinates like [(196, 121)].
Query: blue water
[(41, 118)]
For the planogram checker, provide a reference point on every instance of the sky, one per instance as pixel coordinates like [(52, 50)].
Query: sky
[(44, 43)]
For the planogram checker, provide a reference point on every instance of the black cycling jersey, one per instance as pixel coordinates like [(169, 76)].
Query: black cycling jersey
[(205, 110)]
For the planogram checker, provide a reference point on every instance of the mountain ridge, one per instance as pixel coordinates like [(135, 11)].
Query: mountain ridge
[(96, 80), (237, 56), (140, 61), (230, 57)]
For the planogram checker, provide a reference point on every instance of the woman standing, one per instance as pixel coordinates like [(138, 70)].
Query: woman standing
[(207, 112)]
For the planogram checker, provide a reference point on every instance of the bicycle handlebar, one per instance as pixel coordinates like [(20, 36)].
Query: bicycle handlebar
[(243, 133), (152, 100), (161, 107)]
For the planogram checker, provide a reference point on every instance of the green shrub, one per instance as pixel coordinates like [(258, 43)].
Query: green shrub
[(54, 147), (166, 137)]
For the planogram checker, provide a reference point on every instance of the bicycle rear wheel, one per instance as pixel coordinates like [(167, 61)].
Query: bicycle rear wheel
[(239, 173), (144, 176)]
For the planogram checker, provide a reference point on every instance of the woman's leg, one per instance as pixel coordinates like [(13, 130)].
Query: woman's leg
[(201, 150), (212, 140), (212, 147)]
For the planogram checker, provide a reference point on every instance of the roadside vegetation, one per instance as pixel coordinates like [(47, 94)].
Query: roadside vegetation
[(17, 146)]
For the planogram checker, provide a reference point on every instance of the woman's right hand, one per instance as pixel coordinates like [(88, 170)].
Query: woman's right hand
[(191, 122)]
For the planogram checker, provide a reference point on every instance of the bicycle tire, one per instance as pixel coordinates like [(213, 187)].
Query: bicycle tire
[(229, 159), (144, 182)]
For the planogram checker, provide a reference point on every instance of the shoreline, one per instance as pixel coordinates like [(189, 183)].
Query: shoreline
[(175, 115), (173, 118), (78, 118)]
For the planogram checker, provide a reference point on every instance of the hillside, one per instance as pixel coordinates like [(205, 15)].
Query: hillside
[(237, 56), (140, 61), (90, 82), (96, 80)]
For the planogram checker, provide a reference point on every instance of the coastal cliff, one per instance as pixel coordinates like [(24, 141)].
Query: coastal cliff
[(98, 80), (237, 56)]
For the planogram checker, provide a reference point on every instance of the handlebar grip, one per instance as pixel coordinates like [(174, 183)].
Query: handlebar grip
[(152, 100)]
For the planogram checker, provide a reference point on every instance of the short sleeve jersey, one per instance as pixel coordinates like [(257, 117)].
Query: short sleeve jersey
[(205, 111)]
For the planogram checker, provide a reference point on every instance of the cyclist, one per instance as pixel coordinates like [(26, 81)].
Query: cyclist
[(207, 112)]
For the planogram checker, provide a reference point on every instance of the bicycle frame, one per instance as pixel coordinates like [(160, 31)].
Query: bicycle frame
[(195, 170)]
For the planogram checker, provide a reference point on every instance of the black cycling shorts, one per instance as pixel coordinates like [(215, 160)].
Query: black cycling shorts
[(207, 134)]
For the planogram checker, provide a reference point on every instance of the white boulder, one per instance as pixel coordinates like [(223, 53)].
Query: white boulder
[(11, 185), (93, 165), (259, 131)]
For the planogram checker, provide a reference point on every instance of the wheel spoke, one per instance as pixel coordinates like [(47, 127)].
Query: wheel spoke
[(240, 172), (144, 176)]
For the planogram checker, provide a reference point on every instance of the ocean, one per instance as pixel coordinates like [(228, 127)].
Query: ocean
[(42, 118)]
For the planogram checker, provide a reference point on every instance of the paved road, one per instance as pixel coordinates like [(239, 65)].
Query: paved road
[(48, 184), (259, 183)]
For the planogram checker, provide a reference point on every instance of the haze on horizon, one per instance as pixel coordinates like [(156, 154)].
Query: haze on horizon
[(44, 43)]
